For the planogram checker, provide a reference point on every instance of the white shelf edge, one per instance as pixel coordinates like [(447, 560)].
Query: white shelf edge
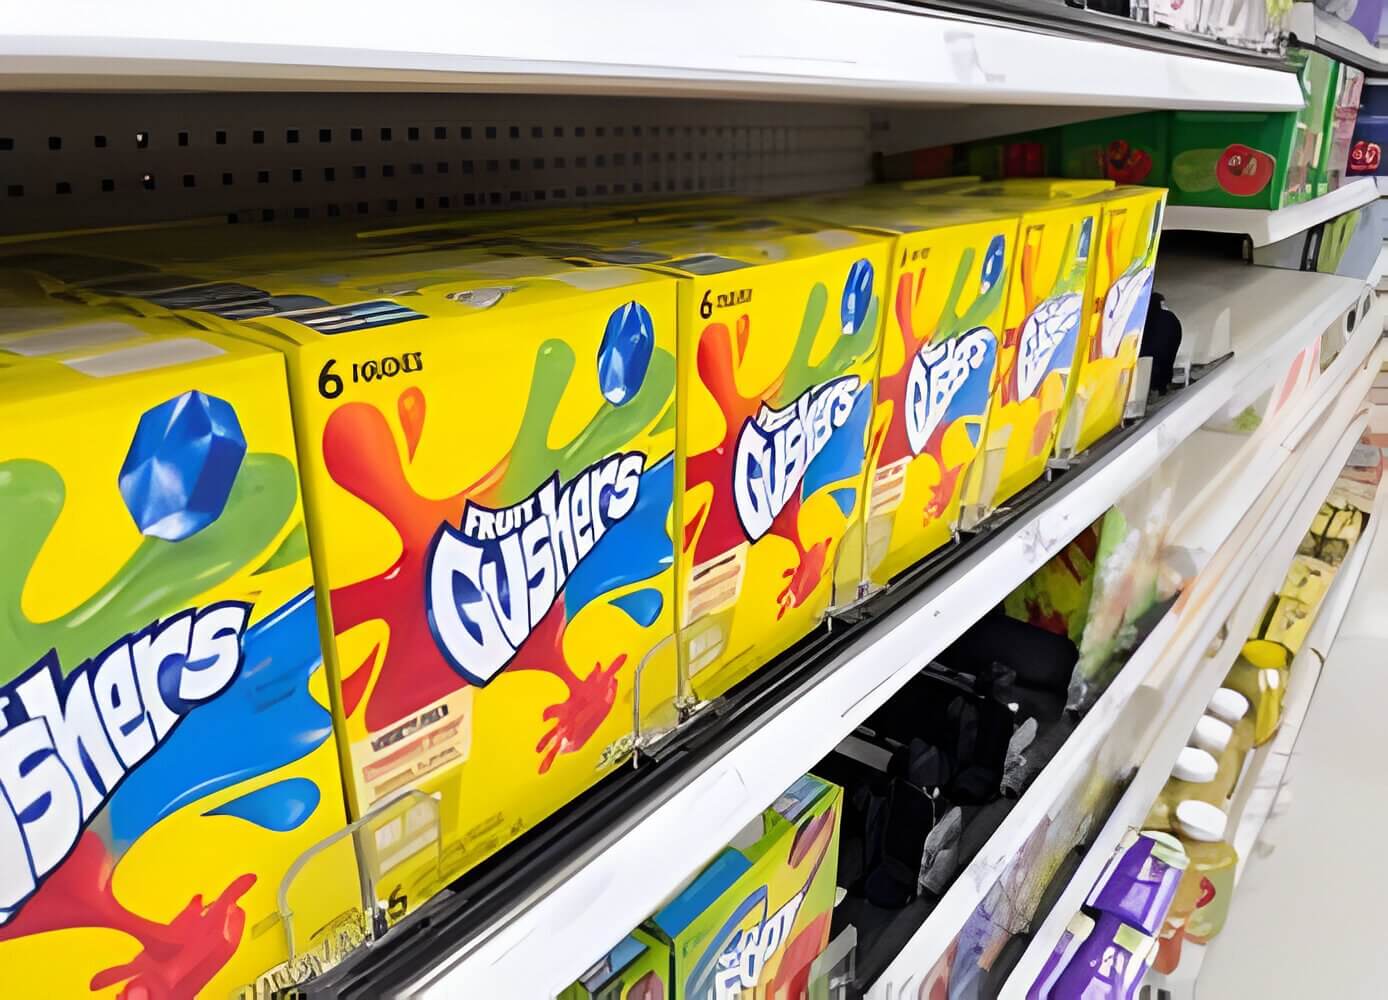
[(1311, 25), (1306, 495), (592, 904), (804, 49), (1267, 226)]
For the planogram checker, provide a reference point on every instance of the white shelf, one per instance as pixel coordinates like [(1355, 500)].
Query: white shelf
[(1315, 27), (805, 49), (1234, 586), (1267, 226)]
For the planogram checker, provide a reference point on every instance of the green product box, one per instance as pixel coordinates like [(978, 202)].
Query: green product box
[(637, 969), (1026, 154), (1255, 159), (758, 915), (1127, 149)]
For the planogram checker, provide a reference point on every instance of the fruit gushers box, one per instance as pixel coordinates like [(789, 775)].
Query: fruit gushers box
[(1044, 329), (487, 444), (946, 292), (753, 922), (1124, 267), (166, 747), (779, 328)]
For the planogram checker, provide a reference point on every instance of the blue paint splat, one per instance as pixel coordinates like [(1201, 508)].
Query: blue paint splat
[(844, 497), (975, 431), (265, 720), (845, 452), (857, 297), (636, 548), (643, 605), (281, 807)]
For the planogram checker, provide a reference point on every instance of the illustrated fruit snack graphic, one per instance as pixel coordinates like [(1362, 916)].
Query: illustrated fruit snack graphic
[(779, 328), (1124, 266), (1048, 299), (487, 441), (755, 919), (167, 749), (938, 369)]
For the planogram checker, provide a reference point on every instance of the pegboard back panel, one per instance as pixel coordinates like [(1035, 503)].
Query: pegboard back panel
[(77, 161)]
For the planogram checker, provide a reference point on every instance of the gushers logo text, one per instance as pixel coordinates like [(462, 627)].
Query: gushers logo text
[(937, 374), (741, 966), (775, 450), (492, 579), (67, 742)]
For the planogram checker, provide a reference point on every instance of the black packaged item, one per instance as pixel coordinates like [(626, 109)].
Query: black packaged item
[(962, 716), (1040, 658), (1161, 340)]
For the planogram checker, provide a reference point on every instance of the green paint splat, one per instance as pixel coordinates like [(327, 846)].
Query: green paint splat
[(800, 374), (293, 549), (160, 577), (532, 459)]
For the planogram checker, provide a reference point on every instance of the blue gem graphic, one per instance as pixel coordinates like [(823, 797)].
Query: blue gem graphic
[(1086, 228), (857, 296), (992, 263), (181, 465), (625, 353)]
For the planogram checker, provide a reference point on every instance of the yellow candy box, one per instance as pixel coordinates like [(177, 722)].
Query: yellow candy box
[(1044, 331), (938, 369), (488, 445), (166, 745), (779, 328), (1124, 266)]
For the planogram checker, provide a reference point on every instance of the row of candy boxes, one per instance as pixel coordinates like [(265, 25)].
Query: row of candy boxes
[(539, 473)]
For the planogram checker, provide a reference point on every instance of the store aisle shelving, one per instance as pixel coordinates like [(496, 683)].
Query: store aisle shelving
[(1305, 921)]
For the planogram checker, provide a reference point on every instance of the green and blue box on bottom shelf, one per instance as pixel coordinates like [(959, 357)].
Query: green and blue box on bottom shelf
[(758, 915), (749, 925)]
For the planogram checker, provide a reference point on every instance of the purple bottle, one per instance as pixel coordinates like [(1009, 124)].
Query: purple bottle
[(1140, 881), (1108, 965)]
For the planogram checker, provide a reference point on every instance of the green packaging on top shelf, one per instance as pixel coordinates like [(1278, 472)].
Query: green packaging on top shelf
[(1128, 149)]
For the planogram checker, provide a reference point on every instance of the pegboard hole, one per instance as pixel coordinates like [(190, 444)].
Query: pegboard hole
[(15, 190), (325, 135), (189, 180), (291, 135), (7, 144), (356, 135), (412, 134), (55, 142), (221, 137), (385, 135), (62, 187), (183, 138), (99, 141), (296, 175), (440, 132), (258, 137), (228, 180), (147, 182), (107, 185), (262, 177)]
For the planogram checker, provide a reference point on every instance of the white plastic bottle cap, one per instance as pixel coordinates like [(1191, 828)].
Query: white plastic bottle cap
[(1228, 705), (1195, 765), (1201, 820), (1211, 734)]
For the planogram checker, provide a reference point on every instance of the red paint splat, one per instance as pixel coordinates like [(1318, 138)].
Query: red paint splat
[(176, 960), (411, 408), (361, 456), (590, 699), (793, 977), (354, 686), (1041, 435)]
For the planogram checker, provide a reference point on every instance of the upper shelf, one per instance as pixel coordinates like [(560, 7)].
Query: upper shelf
[(803, 49), (1267, 226), (1314, 27)]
